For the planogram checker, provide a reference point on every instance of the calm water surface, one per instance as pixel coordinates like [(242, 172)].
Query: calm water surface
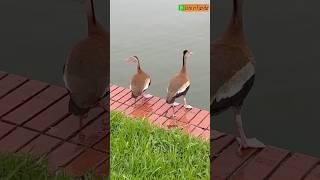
[(158, 33), (36, 35)]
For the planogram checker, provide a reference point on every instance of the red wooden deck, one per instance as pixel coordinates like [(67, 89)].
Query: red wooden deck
[(34, 119), (269, 163), (226, 161), (194, 121)]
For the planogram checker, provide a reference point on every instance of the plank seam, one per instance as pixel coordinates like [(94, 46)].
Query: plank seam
[(243, 163), (25, 144), (44, 109), (310, 170), (246, 162), (5, 74), (15, 88), (6, 134), (92, 146), (290, 154), (83, 127), (223, 148), (25, 101)]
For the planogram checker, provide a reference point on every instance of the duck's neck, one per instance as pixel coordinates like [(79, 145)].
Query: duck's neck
[(183, 68), (234, 33), (93, 26), (138, 66)]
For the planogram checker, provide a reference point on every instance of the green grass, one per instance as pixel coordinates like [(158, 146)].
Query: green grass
[(142, 151), (26, 167)]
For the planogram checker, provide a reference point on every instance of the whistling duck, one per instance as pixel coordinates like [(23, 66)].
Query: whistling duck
[(85, 72), (233, 69), (179, 84), (140, 81)]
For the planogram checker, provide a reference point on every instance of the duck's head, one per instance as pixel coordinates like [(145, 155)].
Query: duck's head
[(132, 59), (187, 53)]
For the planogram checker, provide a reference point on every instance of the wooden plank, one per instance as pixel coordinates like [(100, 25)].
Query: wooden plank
[(180, 113), (50, 116), (20, 96), (177, 109), (200, 116), (314, 174), (40, 146), (229, 161), (122, 108), (10, 82), (205, 134), (262, 165), (125, 98), (105, 102), (216, 146), (205, 123), (142, 109), (85, 162), (160, 121), (153, 117), (16, 139), (111, 102), (197, 131), (113, 87), (138, 113), (62, 155), (91, 134), (157, 105), (5, 128), (129, 110), (71, 124), (190, 115), (170, 123), (38, 103), (133, 101), (163, 109), (3, 74), (115, 92), (188, 128), (103, 169), (115, 105), (102, 145), (294, 168), (121, 94), (214, 135)]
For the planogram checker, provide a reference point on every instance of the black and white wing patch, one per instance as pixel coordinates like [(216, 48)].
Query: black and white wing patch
[(235, 84), (147, 84)]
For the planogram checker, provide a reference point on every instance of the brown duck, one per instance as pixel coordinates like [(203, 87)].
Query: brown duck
[(233, 69), (140, 81), (85, 72), (179, 85)]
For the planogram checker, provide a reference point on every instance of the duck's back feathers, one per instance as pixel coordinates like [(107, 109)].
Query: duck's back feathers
[(86, 71), (140, 82), (178, 85), (231, 67), (235, 100)]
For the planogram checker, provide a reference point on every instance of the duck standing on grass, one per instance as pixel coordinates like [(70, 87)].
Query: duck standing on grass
[(140, 81), (85, 72), (233, 73), (179, 85)]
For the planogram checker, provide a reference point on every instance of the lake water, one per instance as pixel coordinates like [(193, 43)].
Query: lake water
[(283, 106), (36, 35), (158, 33)]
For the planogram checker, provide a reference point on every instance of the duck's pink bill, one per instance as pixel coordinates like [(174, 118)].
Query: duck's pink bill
[(131, 59)]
